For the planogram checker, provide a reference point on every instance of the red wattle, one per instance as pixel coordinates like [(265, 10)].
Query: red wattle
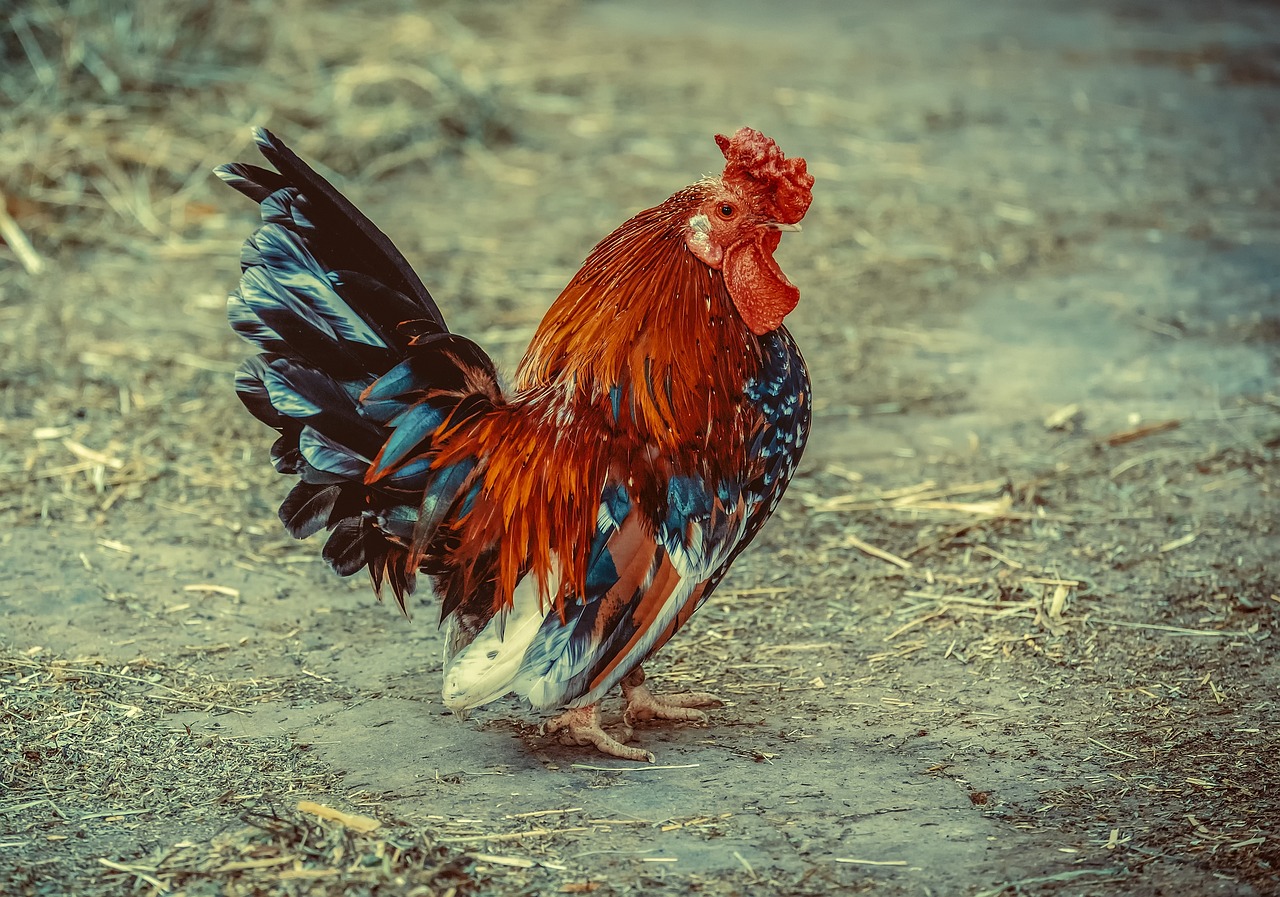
[(760, 291)]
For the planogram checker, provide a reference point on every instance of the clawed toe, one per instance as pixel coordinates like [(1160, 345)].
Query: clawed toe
[(642, 704), (582, 726)]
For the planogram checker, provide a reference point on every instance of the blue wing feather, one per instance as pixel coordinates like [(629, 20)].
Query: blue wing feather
[(413, 428), (643, 572)]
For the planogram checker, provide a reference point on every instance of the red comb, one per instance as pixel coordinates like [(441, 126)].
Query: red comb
[(755, 165)]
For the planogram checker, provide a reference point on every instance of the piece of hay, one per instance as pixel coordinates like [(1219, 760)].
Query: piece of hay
[(348, 820)]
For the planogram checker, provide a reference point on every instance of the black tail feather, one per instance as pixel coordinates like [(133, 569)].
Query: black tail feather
[(251, 180), (345, 548), (355, 356), (350, 240), (299, 393), (394, 316), (307, 509)]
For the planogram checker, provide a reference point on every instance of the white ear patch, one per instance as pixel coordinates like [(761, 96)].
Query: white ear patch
[(697, 236)]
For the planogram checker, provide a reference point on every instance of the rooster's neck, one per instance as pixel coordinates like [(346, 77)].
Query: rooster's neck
[(646, 332)]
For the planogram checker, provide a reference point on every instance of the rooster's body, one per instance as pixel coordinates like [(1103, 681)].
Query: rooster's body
[(572, 523)]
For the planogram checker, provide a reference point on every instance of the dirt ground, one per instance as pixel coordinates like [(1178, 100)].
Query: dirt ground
[(1012, 630)]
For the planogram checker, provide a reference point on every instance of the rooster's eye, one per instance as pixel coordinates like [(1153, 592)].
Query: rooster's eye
[(727, 211)]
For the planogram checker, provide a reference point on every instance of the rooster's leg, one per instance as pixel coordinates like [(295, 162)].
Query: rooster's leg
[(642, 704), (581, 725)]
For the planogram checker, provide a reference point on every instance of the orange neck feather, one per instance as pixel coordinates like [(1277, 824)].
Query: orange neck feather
[(643, 315)]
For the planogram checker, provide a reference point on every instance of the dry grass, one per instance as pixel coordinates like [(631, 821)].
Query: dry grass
[(287, 850), (1083, 595), (94, 772), (90, 761), (97, 780), (119, 108), (118, 112)]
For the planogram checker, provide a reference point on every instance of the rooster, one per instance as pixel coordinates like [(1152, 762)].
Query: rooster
[(571, 522)]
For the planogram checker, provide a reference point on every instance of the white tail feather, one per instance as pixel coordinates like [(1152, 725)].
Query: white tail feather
[(485, 670)]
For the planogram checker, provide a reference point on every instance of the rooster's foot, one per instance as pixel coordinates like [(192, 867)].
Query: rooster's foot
[(581, 725), (642, 704)]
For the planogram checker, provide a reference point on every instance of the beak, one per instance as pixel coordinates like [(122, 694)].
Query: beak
[(777, 225)]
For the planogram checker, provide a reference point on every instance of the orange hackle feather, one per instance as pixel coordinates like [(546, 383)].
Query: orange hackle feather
[(643, 314)]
